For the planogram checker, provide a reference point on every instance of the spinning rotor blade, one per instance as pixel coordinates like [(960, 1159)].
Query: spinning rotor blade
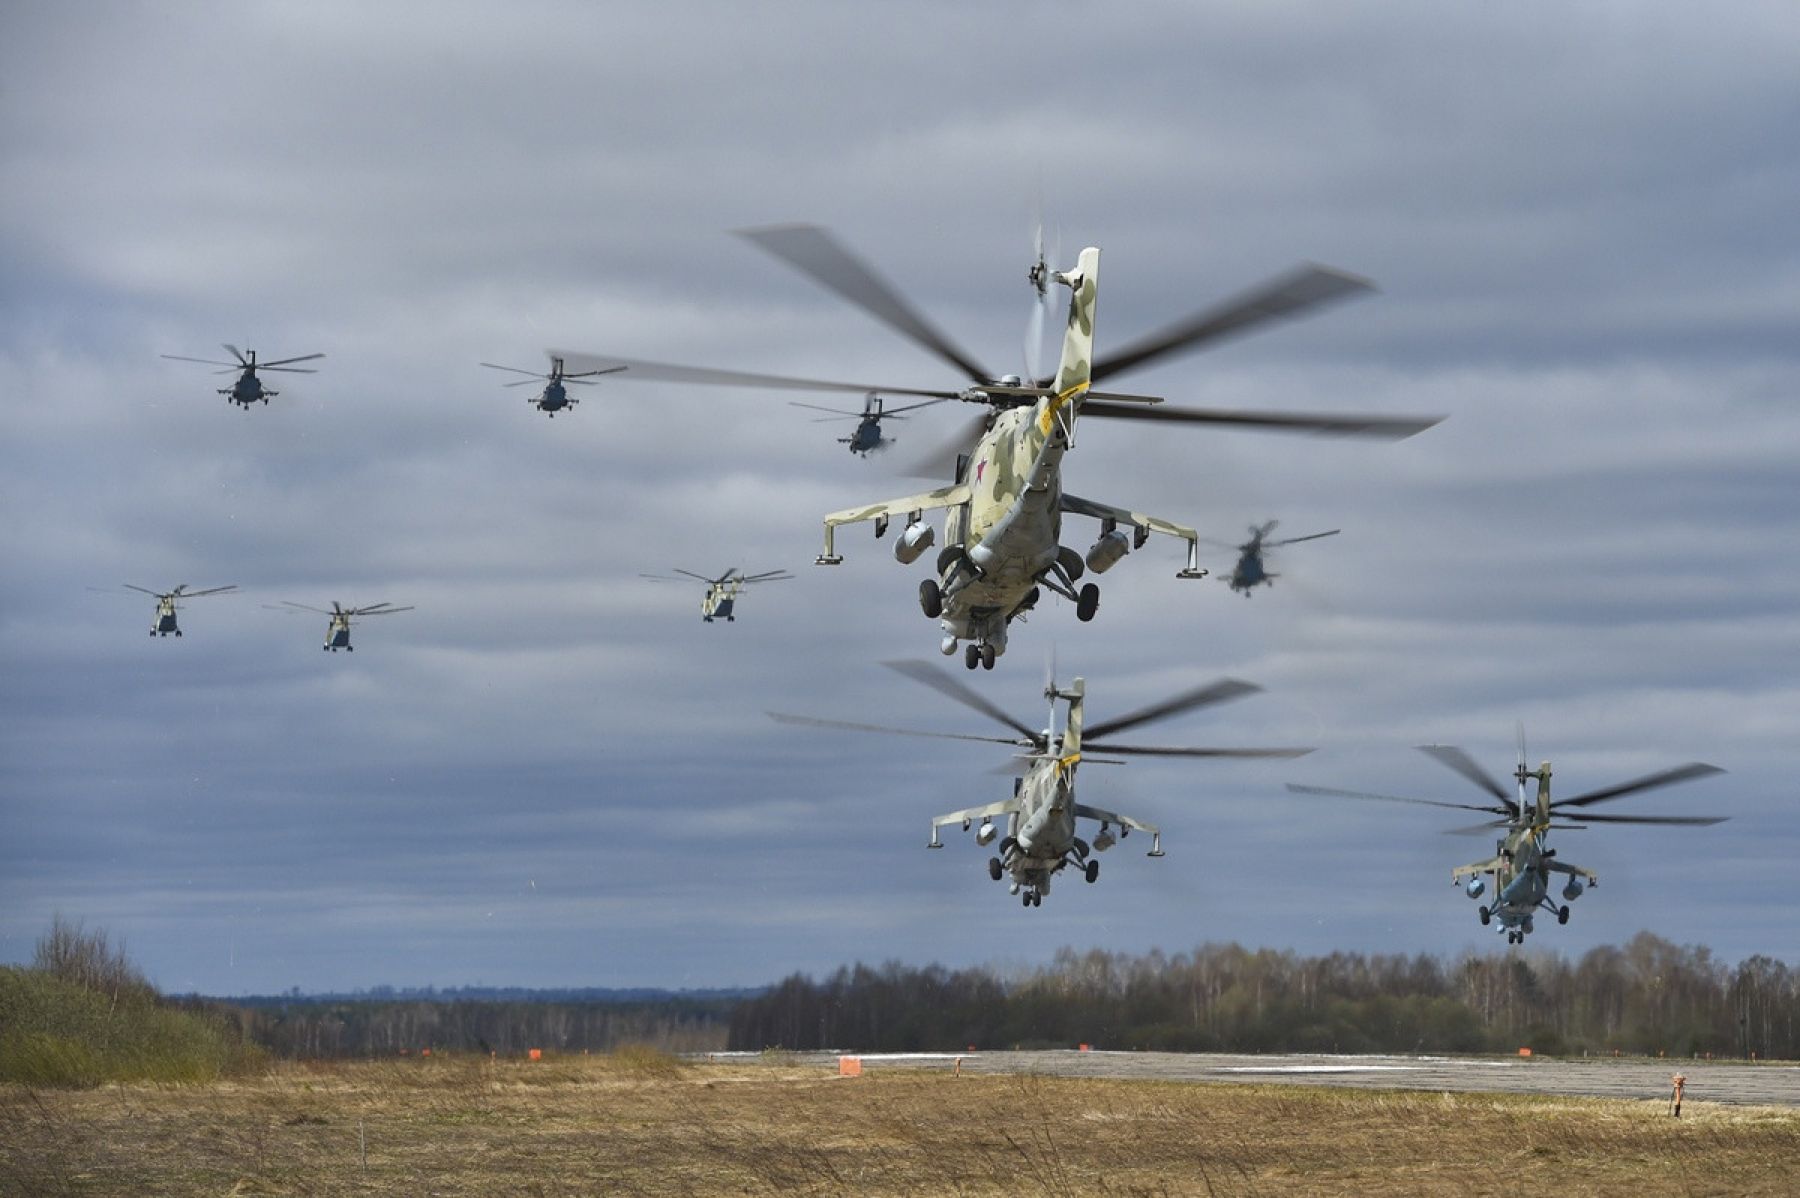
[(1164, 751), (838, 412), (203, 361), (940, 461), (303, 607), (768, 576), (145, 590), (1454, 758), (210, 591), (532, 382), (1285, 296), (929, 675), (1222, 691), (288, 361), (1685, 820), (380, 609), (1681, 773), (701, 577), (667, 372), (1395, 428), (237, 353), (515, 370), (1333, 792), (894, 412), (290, 369), (1296, 540), (585, 376), (813, 722), (813, 252), (1479, 829)]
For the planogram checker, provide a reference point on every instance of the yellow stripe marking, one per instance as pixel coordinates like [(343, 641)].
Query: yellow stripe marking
[(1051, 408)]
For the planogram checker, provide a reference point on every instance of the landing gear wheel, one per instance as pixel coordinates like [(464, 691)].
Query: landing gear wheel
[(1562, 915), (1025, 899), (931, 599), (972, 656), (1087, 603), (178, 632), (1092, 873), (987, 657), (994, 868), (1485, 915)]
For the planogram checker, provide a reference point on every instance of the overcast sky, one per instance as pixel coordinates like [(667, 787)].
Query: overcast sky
[(1581, 219)]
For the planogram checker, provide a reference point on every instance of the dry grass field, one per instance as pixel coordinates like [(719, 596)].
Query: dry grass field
[(641, 1123)]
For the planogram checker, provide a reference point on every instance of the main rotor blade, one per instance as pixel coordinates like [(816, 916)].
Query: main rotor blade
[(210, 591), (768, 576), (380, 609), (1454, 758), (145, 590), (792, 403), (1681, 773), (668, 372), (1165, 751), (1473, 829), (530, 382), (237, 353), (939, 462), (1333, 792), (1684, 820), (1394, 428), (588, 374), (1288, 295), (1221, 691), (303, 607), (699, 577), (287, 369), (815, 253), (515, 370), (886, 412), (286, 361), (202, 361), (813, 722), (1296, 540), (929, 675)]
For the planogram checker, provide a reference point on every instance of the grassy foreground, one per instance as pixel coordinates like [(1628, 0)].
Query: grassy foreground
[(639, 1123)]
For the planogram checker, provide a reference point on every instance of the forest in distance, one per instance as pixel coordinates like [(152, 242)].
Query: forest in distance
[(1646, 997)]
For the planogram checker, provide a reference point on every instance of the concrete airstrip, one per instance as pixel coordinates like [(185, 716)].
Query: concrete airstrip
[(1734, 1082)]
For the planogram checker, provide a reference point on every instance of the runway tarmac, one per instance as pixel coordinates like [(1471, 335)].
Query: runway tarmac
[(1598, 1077)]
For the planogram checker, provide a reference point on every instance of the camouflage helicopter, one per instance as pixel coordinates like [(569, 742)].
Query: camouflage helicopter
[(248, 388), (867, 438), (1005, 503), (337, 635), (722, 592), (555, 395), (1522, 862), (168, 602), (1041, 815), (1249, 572)]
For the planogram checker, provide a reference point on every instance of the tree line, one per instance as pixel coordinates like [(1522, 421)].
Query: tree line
[(1648, 997)]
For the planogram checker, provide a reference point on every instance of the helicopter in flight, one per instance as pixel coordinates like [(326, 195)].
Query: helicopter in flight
[(1523, 861), (1249, 572), (867, 438), (249, 388), (1005, 502), (168, 603), (1041, 817), (720, 600), (337, 635), (555, 395)]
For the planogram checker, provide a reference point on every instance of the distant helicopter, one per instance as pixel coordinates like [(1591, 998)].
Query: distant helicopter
[(337, 636), (1522, 864), (722, 592), (555, 396), (1250, 573), (248, 388), (867, 438), (1041, 815), (167, 603)]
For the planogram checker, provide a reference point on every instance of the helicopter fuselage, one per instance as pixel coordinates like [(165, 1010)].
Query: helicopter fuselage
[(1248, 574), (867, 438), (338, 635), (165, 617), (554, 399), (247, 390), (720, 601)]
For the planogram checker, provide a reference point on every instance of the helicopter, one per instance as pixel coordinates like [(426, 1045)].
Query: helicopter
[(1005, 502), (249, 388), (1249, 572), (337, 636), (1041, 816), (722, 592), (168, 602), (555, 396), (1522, 862), (867, 438)]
